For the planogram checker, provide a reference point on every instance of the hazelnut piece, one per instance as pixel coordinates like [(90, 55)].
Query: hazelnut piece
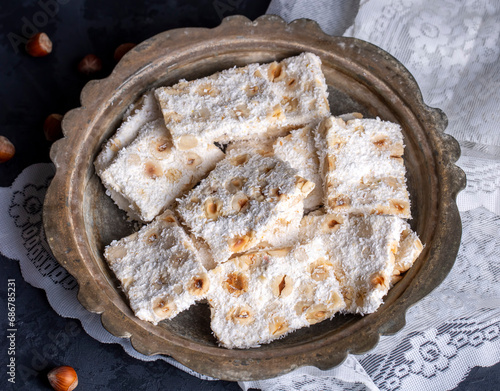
[(164, 307), (199, 285), (39, 45), (7, 149), (63, 378), (278, 326), (236, 283), (123, 49), (90, 64), (241, 315), (52, 127)]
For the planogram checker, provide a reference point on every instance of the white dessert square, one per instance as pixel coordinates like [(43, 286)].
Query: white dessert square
[(137, 115), (362, 166), (255, 101), (149, 174), (159, 269), (234, 208)]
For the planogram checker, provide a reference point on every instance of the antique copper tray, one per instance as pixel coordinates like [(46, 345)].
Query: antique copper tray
[(80, 219)]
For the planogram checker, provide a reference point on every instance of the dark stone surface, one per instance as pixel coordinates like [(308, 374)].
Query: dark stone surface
[(32, 88)]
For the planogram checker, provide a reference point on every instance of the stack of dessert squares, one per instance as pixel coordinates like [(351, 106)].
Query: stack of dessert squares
[(258, 201)]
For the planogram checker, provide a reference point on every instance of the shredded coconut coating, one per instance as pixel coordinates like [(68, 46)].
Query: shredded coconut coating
[(362, 250), (259, 297), (234, 208), (285, 232), (298, 148), (159, 269), (255, 101), (150, 173), (362, 166), (137, 115), (244, 243)]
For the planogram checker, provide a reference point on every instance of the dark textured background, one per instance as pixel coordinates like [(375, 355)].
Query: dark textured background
[(32, 88)]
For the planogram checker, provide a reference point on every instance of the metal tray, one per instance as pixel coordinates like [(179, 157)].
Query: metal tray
[(80, 219)]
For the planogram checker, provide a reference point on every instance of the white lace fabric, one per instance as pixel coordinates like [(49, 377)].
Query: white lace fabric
[(452, 48)]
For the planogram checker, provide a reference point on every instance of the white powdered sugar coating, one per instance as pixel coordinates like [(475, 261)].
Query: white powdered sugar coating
[(263, 296), (240, 200), (159, 269), (150, 174), (244, 103), (362, 168)]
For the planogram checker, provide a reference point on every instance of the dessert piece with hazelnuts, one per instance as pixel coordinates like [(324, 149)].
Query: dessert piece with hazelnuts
[(148, 175), (159, 268), (261, 296), (241, 200)]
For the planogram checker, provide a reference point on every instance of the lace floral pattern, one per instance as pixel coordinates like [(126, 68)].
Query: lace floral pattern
[(429, 353), (25, 209), (26, 205), (423, 357), (451, 47)]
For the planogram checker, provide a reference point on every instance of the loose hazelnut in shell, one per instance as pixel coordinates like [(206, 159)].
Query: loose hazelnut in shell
[(123, 49), (52, 127), (90, 64), (7, 149), (39, 45), (63, 378)]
